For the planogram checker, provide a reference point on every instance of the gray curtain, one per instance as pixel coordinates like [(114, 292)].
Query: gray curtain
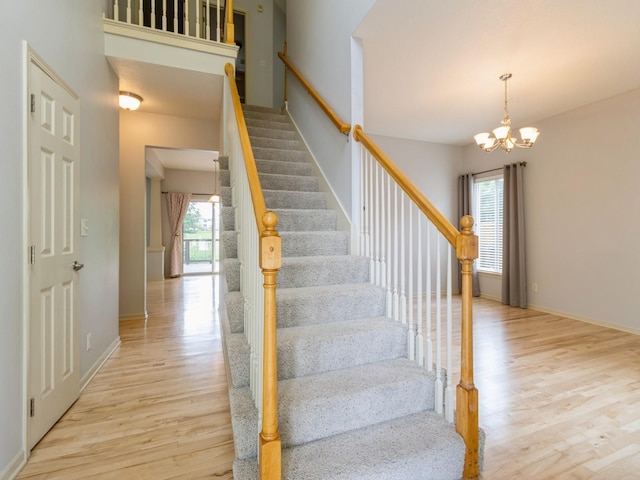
[(465, 207), (177, 206), (514, 273)]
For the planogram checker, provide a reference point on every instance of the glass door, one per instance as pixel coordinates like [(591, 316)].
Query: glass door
[(200, 235)]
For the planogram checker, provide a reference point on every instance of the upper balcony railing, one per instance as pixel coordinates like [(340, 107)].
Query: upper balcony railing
[(201, 19)]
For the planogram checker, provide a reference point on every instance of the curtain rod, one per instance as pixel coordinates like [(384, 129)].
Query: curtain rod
[(202, 194), (523, 164)]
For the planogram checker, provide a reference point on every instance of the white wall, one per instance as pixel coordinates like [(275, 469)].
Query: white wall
[(319, 45), (68, 36), (184, 181), (582, 211), (138, 130)]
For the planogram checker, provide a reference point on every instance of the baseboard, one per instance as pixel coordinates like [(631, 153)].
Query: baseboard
[(134, 316), (86, 379), (11, 471), (592, 321)]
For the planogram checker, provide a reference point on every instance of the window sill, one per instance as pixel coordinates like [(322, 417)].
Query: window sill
[(490, 274)]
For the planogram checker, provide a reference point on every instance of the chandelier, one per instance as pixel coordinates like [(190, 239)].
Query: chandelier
[(502, 135)]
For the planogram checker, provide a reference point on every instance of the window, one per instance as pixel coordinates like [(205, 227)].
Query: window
[(488, 206)]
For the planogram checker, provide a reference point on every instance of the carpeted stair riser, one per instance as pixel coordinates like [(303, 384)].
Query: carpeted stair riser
[(298, 244), (298, 183), (275, 117), (276, 199), (395, 450), (315, 305), (308, 271), (289, 220), (315, 349), (281, 124), (318, 406), (260, 142), (284, 168), (279, 155), (267, 132)]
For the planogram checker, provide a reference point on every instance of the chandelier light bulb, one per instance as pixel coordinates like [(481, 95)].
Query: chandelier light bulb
[(129, 101)]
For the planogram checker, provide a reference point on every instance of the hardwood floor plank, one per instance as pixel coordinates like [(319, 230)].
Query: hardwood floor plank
[(559, 399), (159, 408)]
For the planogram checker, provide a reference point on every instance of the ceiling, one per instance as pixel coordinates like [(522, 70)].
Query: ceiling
[(176, 92), (432, 67), (444, 60)]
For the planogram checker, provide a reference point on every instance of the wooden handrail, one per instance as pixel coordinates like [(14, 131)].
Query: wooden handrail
[(259, 205), (270, 261), (466, 245), (440, 221), (335, 119)]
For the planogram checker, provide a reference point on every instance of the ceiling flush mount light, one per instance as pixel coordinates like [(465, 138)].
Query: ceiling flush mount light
[(129, 101), (216, 189), (502, 135)]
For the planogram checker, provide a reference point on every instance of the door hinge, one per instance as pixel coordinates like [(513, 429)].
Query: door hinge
[(33, 103), (32, 407), (32, 254)]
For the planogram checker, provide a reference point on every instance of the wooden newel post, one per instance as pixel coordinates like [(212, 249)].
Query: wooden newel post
[(466, 393), (270, 261)]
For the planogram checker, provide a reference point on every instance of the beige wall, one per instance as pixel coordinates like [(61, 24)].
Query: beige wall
[(137, 131)]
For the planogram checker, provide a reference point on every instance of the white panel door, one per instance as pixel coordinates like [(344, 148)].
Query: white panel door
[(54, 379)]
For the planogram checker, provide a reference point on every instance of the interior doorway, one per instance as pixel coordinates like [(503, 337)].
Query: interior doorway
[(200, 238)]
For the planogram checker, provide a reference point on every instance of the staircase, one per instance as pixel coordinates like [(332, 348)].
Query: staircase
[(351, 404)]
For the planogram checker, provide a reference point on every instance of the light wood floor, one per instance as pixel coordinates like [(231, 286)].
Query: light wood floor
[(559, 399)]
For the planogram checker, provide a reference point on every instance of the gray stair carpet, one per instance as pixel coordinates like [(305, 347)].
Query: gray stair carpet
[(351, 405)]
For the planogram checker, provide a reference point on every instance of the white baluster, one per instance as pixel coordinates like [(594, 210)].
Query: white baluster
[(389, 246), (396, 266), (175, 16), (383, 230), (429, 340), (403, 278), (438, 319), (411, 333), (140, 13), (186, 18), (218, 23), (164, 15), (198, 19), (420, 296), (376, 222), (371, 205), (129, 11), (449, 394), (153, 14), (116, 10), (363, 192)]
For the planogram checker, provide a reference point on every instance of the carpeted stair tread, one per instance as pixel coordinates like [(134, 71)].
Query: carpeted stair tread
[(279, 124), (399, 449)]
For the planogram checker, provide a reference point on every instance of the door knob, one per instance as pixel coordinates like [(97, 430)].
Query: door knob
[(77, 266)]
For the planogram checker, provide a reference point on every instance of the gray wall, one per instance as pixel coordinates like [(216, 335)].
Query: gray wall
[(68, 35), (319, 45), (582, 210)]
